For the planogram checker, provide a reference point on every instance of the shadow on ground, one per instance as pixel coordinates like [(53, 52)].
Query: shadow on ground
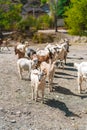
[(62, 106), (66, 91)]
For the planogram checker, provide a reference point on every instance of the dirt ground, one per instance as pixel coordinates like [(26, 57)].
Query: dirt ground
[(63, 109)]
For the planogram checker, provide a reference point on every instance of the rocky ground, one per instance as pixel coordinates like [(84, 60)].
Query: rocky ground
[(63, 109)]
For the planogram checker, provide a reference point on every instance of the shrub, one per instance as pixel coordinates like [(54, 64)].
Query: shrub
[(27, 23), (76, 17), (44, 22), (42, 38)]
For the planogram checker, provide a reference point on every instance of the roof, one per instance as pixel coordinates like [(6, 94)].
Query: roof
[(46, 8), (36, 7), (28, 8), (32, 3)]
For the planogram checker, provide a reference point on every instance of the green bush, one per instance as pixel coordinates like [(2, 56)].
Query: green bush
[(11, 16)]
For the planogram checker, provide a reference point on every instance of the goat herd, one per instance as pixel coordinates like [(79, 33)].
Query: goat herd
[(41, 64)]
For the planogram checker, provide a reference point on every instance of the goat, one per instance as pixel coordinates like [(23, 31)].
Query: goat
[(37, 83), (4, 43), (24, 64), (45, 55), (54, 50), (20, 50), (65, 49), (82, 74), (51, 48), (42, 55), (66, 46), (49, 70), (30, 52), (61, 55)]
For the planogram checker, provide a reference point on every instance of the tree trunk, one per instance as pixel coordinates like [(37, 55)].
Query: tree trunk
[(56, 24)]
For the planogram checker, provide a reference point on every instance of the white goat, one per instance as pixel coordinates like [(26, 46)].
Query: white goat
[(24, 64), (37, 83), (51, 48), (49, 70), (82, 74)]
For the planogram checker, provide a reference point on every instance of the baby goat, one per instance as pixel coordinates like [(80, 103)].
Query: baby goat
[(37, 83)]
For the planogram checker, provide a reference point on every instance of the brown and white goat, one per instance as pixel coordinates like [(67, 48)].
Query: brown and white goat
[(20, 50), (49, 70), (43, 55), (63, 49)]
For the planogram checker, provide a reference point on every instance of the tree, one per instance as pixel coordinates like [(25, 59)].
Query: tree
[(44, 22), (76, 17), (54, 11), (9, 14), (61, 7), (43, 1), (57, 8)]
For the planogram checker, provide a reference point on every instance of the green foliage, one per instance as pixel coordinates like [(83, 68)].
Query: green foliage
[(61, 7), (25, 24), (43, 1), (58, 7), (76, 17), (57, 10), (9, 14), (44, 22)]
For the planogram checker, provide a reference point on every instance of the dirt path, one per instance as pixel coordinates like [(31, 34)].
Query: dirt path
[(64, 108)]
